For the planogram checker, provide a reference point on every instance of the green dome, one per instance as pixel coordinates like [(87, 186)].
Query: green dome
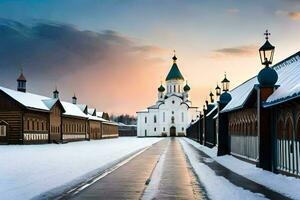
[(267, 77), (186, 88), (161, 88), (174, 72)]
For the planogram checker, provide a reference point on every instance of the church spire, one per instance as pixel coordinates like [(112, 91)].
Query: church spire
[(174, 57), (174, 73)]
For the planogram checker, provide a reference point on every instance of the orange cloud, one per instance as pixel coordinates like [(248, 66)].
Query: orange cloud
[(241, 51), (294, 15)]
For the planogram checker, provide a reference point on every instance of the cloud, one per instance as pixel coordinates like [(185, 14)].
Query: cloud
[(233, 10), (241, 51), (294, 15), (106, 69)]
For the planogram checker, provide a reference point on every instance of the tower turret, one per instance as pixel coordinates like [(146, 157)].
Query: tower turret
[(74, 99), (55, 93), (21, 82)]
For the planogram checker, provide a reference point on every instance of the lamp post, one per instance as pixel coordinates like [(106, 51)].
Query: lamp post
[(225, 84), (218, 90), (211, 95), (266, 51)]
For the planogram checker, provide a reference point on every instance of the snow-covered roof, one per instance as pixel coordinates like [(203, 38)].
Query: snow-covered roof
[(95, 118), (143, 111), (92, 111), (73, 110), (82, 107), (288, 72), (29, 100), (216, 116), (99, 114)]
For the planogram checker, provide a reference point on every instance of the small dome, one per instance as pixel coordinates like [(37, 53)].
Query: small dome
[(186, 88), (225, 98), (267, 77), (161, 88)]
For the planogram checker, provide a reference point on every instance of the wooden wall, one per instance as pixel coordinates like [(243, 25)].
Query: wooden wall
[(109, 130), (74, 128), (94, 129)]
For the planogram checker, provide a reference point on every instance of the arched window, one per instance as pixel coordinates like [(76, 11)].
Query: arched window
[(182, 117), (164, 116), (279, 131), (145, 120), (154, 129), (174, 87), (154, 119), (289, 129), (172, 120)]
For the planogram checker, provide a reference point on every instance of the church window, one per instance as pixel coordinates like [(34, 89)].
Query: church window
[(145, 120), (182, 117), (145, 132), (173, 102), (154, 128), (172, 120), (174, 88), (164, 116), (182, 129), (164, 129), (2, 130), (154, 118)]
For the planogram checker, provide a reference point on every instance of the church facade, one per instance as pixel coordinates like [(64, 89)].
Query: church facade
[(172, 112)]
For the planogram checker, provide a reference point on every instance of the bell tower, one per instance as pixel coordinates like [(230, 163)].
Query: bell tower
[(21, 82)]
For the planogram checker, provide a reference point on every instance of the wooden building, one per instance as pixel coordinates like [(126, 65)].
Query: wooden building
[(27, 118), (127, 130)]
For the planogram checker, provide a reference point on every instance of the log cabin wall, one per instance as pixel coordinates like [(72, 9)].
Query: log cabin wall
[(55, 124), (35, 127), (11, 116), (94, 129), (109, 130), (74, 128), (242, 130)]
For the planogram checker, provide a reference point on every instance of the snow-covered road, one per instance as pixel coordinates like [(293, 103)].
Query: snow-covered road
[(29, 170)]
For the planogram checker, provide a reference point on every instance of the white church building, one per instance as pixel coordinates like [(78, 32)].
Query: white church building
[(173, 111)]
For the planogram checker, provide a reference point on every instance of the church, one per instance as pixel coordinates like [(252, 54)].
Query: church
[(172, 112)]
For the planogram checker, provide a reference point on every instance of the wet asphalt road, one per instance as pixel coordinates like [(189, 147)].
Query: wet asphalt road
[(129, 181)]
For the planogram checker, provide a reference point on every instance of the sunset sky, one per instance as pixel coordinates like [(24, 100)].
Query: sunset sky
[(114, 53)]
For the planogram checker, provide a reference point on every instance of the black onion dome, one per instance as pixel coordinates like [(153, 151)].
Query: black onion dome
[(186, 88), (225, 98), (267, 77), (161, 88)]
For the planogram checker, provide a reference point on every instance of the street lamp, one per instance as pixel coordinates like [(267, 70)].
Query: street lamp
[(225, 84), (266, 51), (218, 90), (211, 95)]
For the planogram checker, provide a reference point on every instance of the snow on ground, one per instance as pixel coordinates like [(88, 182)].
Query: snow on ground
[(29, 170), (153, 187), (286, 185), (217, 187)]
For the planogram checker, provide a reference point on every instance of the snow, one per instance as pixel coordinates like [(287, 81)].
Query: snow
[(27, 99), (217, 187), (29, 170), (288, 80), (286, 185), (156, 176), (91, 117), (72, 110)]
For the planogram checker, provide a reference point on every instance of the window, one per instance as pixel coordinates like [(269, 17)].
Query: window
[(145, 132), (182, 117), (174, 88), (2, 130), (37, 126), (164, 129), (154, 129), (164, 116), (172, 120), (145, 120), (179, 88), (154, 118), (32, 125), (182, 129), (172, 112), (173, 102)]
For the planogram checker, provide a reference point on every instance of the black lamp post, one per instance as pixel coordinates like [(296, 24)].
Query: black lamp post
[(218, 90), (211, 95), (266, 51), (225, 84)]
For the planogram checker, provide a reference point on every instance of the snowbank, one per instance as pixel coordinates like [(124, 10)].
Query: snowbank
[(29, 170), (289, 186)]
